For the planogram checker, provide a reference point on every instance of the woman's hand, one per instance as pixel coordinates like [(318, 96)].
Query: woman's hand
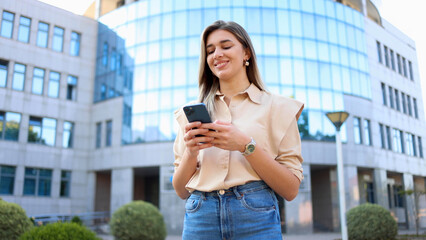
[(193, 143), (226, 136)]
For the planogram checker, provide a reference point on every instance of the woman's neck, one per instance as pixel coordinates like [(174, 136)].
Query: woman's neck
[(232, 88)]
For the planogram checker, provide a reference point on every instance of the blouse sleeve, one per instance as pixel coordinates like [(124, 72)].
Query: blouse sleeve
[(289, 150), (179, 144)]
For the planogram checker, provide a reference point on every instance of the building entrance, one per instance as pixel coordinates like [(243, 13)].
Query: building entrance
[(103, 191), (324, 198), (146, 184)]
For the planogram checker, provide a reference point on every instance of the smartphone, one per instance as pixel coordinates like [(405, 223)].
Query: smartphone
[(197, 113)]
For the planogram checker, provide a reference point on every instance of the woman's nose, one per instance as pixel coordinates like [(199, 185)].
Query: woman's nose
[(218, 53)]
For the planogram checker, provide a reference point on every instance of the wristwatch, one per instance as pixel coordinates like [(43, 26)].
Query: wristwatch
[(250, 147)]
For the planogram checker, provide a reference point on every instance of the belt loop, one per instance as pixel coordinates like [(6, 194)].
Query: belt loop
[(203, 195), (235, 190)]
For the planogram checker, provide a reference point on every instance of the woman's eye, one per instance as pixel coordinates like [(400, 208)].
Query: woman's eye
[(210, 52), (228, 47)]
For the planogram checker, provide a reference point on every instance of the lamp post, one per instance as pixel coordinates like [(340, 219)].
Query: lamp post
[(338, 118)]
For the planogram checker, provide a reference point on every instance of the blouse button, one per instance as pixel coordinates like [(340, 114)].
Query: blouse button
[(221, 191)]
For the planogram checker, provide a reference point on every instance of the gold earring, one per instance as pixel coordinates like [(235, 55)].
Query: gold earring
[(247, 63)]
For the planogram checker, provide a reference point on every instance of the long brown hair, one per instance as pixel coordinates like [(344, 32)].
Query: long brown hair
[(208, 83)]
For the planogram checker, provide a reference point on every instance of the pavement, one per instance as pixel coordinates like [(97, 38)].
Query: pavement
[(313, 236), (308, 236)]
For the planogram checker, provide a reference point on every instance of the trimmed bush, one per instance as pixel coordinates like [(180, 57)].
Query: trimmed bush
[(138, 220), (13, 221), (59, 231), (371, 222), (77, 219)]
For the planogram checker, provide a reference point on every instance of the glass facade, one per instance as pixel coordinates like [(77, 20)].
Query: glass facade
[(314, 51)]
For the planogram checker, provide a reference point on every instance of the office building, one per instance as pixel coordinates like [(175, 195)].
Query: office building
[(105, 137)]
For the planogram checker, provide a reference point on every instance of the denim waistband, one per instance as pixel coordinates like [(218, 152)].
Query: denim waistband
[(237, 190)]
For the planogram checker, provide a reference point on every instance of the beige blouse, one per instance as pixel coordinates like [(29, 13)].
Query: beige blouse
[(272, 122)]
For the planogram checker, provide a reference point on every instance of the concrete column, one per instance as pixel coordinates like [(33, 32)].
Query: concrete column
[(91, 191), (171, 206), (121, 187), (299, 213), (98, 8), (351, 186), (18, 188), (381, 187), (408, 182)]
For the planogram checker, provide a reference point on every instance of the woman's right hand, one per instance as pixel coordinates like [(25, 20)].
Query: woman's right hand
[(195, 144)]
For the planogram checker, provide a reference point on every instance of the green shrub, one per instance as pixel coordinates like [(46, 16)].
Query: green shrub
[(138, 220), (77, 219), (13, 221), (371, 221), (59, 231)]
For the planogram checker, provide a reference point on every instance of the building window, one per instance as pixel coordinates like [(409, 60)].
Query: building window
[(7, 179), (108, 139), (38, 80), (37, 182), (369, 190), (404, 105), (68, 135), (54, 79), (42, 34), (419, 142), (398, 198), (382, 136), (3, 73), (410, 69), (7, 24), (24, 29), (103, 91), (384, 94), (409, 105), (389, 137), (404, 67), (409, 145), (18, 77), (397, 100), (98, 134), (105, 54), (120, 64), (42, 131), (75, 44), (357, 130), (398, 60), (413, 139), (398, 141), (9, 125), (386, 56), (58, 39), (416, 113), (65, 183), (392, 59), (113, 61), (71, 88), (367, 132), (379, 52), (391, 97)]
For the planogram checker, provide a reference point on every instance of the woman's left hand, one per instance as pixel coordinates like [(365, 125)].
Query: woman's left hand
[(226, 136)]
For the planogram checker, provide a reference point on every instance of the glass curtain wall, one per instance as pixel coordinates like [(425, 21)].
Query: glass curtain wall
[(313, 51)]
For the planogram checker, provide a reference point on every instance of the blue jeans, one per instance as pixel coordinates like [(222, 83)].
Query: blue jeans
[(249, 211)]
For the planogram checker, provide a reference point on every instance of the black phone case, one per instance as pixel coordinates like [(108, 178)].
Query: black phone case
[(197, 112)]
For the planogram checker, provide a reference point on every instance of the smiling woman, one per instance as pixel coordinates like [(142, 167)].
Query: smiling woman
[(229, 175)]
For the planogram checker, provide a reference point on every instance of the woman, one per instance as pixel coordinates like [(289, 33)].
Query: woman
[(229, 175)]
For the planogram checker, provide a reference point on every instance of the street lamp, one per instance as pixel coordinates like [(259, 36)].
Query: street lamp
[(338, 118)]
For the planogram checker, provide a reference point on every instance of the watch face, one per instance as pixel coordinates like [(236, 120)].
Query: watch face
[(250, 148)]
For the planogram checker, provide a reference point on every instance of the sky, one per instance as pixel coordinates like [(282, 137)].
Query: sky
[(408, 16)]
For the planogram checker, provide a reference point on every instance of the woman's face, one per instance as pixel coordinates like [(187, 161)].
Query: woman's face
[(226, 55)]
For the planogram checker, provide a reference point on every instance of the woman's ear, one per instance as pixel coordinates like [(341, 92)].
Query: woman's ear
[(247, 54)]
